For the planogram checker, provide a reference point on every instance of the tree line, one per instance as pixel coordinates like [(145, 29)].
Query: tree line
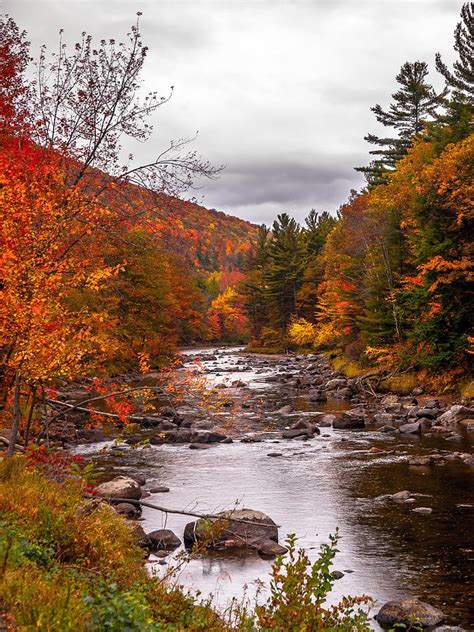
[(389, 279)]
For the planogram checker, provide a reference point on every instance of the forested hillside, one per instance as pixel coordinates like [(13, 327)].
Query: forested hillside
[(389, 280), (101, 264)]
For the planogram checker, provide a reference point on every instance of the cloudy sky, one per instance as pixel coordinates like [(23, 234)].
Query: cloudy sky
[(280, 90)]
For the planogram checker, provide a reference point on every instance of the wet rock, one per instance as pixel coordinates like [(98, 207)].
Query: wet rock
[(423, 510), (421, 460), (351, 419), (317, 395), (469, 461), (159, 489), (242, 528), (431, 403), (293, 433), (390, 399), (326, 421), (454, 415), (401, 496), (171, 436), (337, 574), (336, 383), (141, 480), (430, 413), (387, 429), (163, 540), (341, 393), (269, 548), (119, 487), (200, 446), (251, 439), (274, 454), (405, 611), (205, 436), (419, 390), (132, 512), (384, 418), (412, 428)]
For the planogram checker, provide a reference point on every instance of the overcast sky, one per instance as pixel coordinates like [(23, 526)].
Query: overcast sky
[(280, 91)]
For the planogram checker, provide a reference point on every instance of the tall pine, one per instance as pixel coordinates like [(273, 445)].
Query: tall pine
[(460, 80), (413, 105)]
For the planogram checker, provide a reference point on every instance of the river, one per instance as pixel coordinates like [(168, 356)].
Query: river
[(335, 480)]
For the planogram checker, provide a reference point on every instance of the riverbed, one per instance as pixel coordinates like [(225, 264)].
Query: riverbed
[(340, 479)]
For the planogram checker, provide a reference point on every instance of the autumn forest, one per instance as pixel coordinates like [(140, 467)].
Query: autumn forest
[(108, 267)]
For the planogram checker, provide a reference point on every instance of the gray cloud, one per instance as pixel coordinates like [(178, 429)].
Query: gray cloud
[(280, 90)]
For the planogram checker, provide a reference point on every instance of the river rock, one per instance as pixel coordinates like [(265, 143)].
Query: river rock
[(119, 487), (326, 421), (171, 436), (387, 429), (412, 428), (163, 540), (406, 611), (401, 497), (454, 415), (337, 574), (421, 460), (430, 413), (227, 530), (423, 510), (206, 436), (389, 399), (293, 433), (269, 548), (316, 395), (431, 403), (159, 489), (384, 418), (335, 383), (351, 419), (200, 446), (132, 512)]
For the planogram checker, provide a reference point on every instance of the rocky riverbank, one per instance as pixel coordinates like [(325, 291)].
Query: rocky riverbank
[(313, 450)]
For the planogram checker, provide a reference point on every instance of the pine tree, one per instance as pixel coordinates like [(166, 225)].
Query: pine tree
[(285, 271), (413, 104), (460, 81)]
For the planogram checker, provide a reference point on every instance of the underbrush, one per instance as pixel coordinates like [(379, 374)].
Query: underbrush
[(69, 564)]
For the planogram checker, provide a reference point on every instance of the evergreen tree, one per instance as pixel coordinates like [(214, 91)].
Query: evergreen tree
[(413, 104), (253, 289), (285, 271), (460, 81)]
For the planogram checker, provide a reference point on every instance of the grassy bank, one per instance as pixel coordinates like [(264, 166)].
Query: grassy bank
[(70, 564)]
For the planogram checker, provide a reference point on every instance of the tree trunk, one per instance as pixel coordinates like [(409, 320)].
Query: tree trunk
[(16, 415)]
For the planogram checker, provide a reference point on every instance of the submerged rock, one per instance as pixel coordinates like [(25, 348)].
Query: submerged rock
[(408, 611)]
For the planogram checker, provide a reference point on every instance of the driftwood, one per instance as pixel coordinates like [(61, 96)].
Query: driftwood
[(181, 512), (80, 405)]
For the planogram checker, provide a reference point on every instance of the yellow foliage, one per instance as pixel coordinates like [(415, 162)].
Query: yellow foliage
[(302, 333)]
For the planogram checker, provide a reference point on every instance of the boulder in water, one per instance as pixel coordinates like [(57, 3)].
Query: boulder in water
[(241, 528), (119, 487), (408, 612)]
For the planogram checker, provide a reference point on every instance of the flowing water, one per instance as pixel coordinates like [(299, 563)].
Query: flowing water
[(386, 550)]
